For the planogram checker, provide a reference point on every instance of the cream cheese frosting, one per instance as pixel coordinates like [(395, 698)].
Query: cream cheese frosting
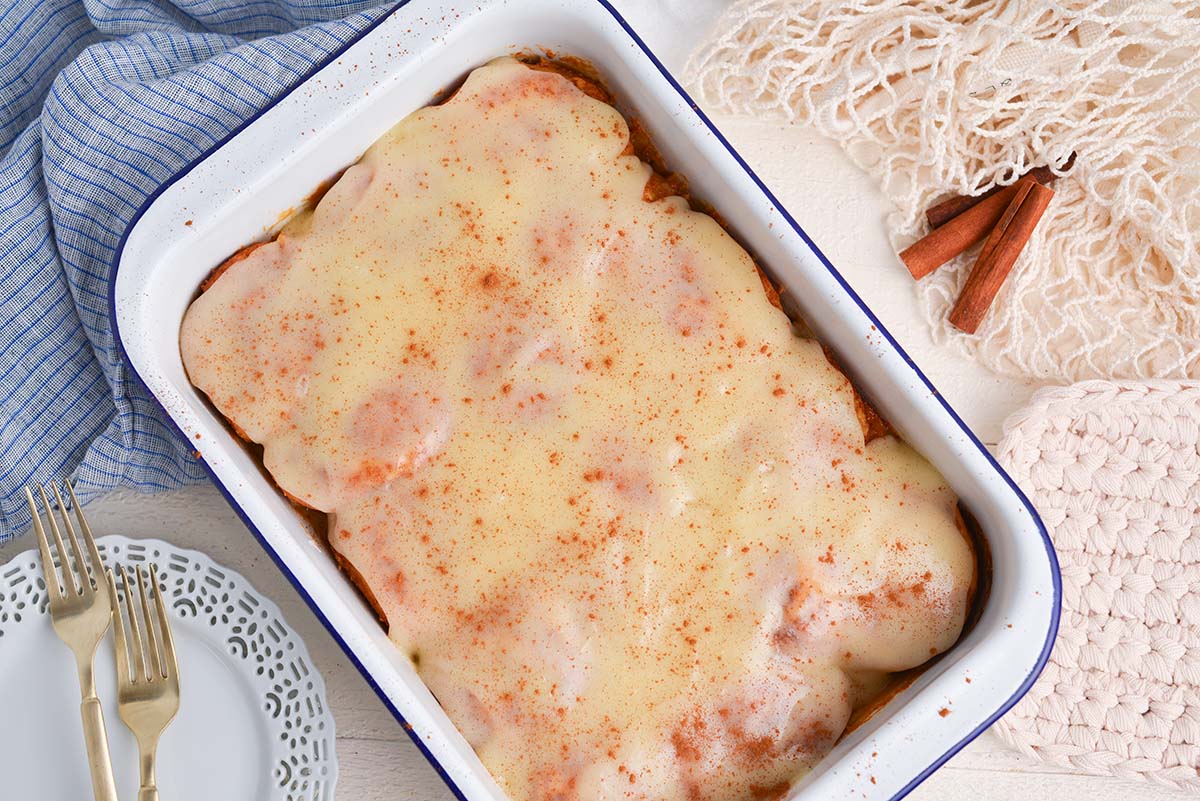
[(624, 521)]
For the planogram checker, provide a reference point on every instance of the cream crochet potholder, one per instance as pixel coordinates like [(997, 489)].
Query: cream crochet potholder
[(1114, 471), (952, 96)]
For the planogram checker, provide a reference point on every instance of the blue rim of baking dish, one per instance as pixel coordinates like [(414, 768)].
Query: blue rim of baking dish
[(1056, 578)]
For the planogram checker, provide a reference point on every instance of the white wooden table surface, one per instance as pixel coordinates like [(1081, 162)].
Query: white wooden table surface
[(839, 207)]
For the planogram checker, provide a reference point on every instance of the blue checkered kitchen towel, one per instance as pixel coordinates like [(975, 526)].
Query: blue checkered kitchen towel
[(101, 101)]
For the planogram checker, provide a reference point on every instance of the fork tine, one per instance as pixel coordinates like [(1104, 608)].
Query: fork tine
[(86, 530), (52, 585), (138, 654), (83, 571), (170, 667), (120, 646), (153, 663), (70, 590)]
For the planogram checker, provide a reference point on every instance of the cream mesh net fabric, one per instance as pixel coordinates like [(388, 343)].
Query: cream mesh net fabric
[(935, 97)]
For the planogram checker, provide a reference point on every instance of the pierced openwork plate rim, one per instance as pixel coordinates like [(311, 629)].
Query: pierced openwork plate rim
[(242, 624)]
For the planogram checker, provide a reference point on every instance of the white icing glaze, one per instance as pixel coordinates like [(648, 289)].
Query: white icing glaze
[(624, 519)]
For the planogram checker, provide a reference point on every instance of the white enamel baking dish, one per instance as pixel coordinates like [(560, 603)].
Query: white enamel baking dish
[(239, 190)]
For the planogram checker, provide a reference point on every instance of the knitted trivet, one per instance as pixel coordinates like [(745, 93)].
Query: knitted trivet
[(1114, 470)]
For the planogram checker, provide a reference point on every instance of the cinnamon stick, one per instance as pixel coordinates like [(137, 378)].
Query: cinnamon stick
[(955, 237), (1023, 188), (948, 209), (999, 253)]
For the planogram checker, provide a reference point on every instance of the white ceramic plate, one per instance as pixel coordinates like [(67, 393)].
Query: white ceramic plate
[(236, 192), (253, 724)]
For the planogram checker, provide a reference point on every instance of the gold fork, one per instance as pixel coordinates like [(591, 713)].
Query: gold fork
[(80, 613), (147, 674)]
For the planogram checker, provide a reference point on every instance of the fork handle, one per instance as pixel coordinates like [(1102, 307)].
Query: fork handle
[(147, 757), (94, 734)]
